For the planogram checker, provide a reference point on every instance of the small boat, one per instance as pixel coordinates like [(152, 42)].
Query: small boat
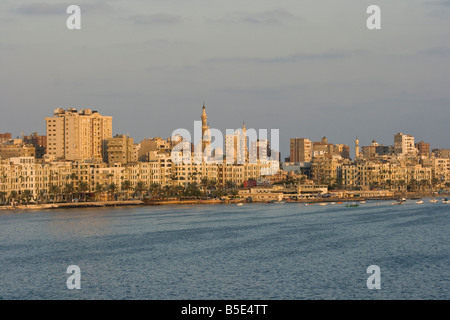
[(323, 204), (333, 202), (240, 204), (362, 202), (352, 205), (445, 200), (396, 203), (434, 200), (419, 202)]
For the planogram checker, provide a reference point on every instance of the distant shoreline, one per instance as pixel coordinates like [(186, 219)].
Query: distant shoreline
[(150, 202)]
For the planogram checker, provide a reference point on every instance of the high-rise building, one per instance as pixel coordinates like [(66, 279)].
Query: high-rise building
[(73, 135), (442, 153), (5, 137), (236, 149), (300, 150), (36, 140), (404, 144), (423, 149)]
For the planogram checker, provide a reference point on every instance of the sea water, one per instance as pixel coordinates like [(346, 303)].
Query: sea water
[(255, 251)]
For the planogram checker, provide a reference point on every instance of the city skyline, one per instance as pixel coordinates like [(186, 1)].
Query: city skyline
[(310, 70)]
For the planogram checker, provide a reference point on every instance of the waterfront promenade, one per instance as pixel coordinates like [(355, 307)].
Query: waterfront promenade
[(185, 201)]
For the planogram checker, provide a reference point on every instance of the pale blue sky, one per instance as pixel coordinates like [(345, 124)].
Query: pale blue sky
[(309, 68)]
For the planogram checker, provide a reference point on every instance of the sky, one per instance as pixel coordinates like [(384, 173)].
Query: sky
[(308, 68)]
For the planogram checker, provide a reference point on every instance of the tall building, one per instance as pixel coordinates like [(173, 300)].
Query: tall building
[(121, 149), (300, 150), (73, 135), (321, 147), (236, 149), (442, 153), (5, 137), (36, 140), (404, 144), (423, 149), (154, 144)]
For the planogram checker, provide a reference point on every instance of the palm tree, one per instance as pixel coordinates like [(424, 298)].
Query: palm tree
[(2, 197), (98, 190), (53, 190), (126, 186), (13, 195), (112, 189), (434, 183), (401, 184), (412, 184), (155, 189), (26, 196), (140, 188), (422, 184), (41, 196), (204, 184), (388, 184), (68, 191), (83, 188)]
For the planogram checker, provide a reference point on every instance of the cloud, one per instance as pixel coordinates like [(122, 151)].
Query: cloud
[(436, 52), (269, 17), (445, 3), (38, 9), (282, 59), (159, 18)]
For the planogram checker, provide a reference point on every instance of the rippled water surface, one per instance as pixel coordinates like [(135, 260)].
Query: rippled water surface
[(255, 251)]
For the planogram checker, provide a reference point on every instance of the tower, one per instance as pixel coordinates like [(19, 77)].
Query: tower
[(356, 148), (206, 138)]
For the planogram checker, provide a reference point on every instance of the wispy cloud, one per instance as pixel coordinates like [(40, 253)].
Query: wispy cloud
[(282, 59), (444, 3), (436, 52), (38, 9), (158, 18), (269, 17)]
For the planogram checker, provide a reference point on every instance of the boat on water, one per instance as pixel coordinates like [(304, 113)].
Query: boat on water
[(323, 204), (434, 200), (396, 203), (445, 200), (362, 201), (419, 202), (352, 205), (240, 204)]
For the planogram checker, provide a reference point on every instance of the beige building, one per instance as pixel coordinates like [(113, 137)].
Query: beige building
[(73, 135), (404, 145), (300, 150), (18, 150), (154, 144), (121, 149)]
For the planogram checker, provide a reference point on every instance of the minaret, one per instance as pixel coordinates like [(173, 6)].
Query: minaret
[(206, 139), (356, 148)]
